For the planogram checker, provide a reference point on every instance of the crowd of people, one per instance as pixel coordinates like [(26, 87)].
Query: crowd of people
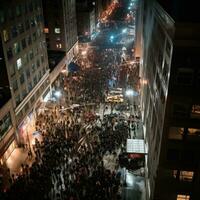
[(64, 167), (69, 160)]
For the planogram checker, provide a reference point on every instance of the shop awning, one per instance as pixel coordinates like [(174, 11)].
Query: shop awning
[(135, 146), (73, 67)]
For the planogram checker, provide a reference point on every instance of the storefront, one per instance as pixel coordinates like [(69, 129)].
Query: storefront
[(26, 129)]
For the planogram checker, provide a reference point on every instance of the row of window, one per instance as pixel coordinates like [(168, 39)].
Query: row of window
[(5, 125), (20, 28), (19, 10), (30, 85), (19, 46), (23, 61), (181, 110), (183, 175), (187, 77), (56, 30), (32, 100)]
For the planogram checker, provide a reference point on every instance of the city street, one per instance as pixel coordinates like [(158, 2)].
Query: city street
[(83, 145)]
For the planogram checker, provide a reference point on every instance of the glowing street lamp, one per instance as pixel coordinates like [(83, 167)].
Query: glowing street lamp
[(132, 93), (124, 30), (58, 94)]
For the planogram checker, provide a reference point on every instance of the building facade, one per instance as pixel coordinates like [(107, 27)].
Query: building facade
[(60, 26), (24, 49), (169, 100), (86, 19)]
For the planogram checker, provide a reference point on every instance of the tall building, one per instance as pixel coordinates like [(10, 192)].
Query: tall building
[(26, 63), (86, 19), (60, 26), (170, 101), (7, 122), (61, 37)]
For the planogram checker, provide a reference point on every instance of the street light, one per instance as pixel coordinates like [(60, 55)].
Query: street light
[(124, 30), (131, 92), (57, 94)]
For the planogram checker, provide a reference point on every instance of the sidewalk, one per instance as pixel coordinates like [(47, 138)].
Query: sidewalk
[(18, 157)]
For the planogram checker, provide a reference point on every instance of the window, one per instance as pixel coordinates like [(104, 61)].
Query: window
[(30, 86), (39, 32), (59, 46), (24, 43), (28, 73), (5, 35), (35, 80), (17, 100), (21, 28), (195, 112), (36, 51), (38, 63), (168, 47), (57, 30), (19, 63), (27, 24), (40, 75), (34, 36), (186, 176), (12, 69), (29, 41), (14, 31), (24, 93), (25, 59), (42, 58), (31, 54), (5, 124), (22, 78), (166, 71), (14, 85), (183, 197), (9, 53), (33, 67), (32, 22), (32, 99), (26, 107), (46, 30), (16, 47)]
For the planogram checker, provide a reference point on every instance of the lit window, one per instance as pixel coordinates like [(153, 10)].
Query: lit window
[(57, 30), (175, 173), (183, 197), (5, 35), (19, 63), (186, 176), (46, 30), (59, 46), (195, 113), (16, 48)]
